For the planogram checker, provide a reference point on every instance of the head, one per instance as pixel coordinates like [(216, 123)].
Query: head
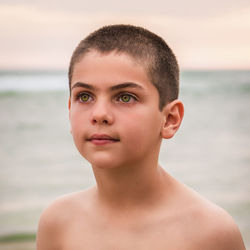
[(144, 47), (124, 85)]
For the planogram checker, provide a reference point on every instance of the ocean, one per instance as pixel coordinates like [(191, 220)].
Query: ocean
[(39, 162)]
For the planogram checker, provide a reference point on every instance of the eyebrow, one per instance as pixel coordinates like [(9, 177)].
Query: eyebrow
[(116, 87), (82, 85), (126, 85)]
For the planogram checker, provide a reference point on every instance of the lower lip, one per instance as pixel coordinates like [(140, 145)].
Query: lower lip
[(102, 142)]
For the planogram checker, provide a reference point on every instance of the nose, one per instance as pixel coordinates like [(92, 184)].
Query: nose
[(102, 113)]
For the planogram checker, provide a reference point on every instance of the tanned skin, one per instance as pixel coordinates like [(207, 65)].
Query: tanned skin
[(118, 127)]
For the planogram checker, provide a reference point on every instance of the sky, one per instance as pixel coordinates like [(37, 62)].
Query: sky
[(42, 34)]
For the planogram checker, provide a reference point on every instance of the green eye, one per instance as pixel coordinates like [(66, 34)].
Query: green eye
[(125, 98), (84, 97)]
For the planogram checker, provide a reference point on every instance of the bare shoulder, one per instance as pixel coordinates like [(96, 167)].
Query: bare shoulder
[(204, 224), (213, 227), (56, 218), (220, 232)]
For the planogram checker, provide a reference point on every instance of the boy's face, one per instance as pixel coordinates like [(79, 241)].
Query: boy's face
[(114, 111)]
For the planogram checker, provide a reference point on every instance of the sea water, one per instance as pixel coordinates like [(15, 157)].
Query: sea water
[(39, 162)]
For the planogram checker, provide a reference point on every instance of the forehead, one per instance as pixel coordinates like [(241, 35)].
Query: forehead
[(111, 68)]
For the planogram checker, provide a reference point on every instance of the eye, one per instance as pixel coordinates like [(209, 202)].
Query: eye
[(84, 97), (127, 98)]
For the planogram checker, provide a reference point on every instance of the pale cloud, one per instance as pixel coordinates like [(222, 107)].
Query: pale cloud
[(34, 36)]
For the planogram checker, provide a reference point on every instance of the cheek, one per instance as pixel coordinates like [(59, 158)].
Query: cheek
[(142, 129), (74, 125), (77, 126)]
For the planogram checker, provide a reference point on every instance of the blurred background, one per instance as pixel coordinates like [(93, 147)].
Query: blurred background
[(38, 160)]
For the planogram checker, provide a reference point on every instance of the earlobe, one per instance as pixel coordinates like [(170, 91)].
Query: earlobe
[(173, 113)]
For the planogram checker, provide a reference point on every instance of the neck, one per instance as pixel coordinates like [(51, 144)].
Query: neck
[(128, 187)]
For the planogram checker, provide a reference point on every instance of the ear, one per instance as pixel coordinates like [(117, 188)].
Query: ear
[(173, 113), (69, 106)]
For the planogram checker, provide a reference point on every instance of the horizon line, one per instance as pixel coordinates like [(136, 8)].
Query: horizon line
[(63, 70)]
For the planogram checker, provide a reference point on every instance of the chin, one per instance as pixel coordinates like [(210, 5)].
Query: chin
[(103, 162)]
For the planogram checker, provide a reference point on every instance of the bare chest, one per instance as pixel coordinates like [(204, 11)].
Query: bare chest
[(160, 236)]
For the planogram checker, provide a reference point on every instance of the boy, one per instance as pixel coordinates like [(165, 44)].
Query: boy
[(124, 84)]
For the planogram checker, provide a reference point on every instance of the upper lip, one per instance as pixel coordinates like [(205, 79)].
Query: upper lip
[(102, 137)]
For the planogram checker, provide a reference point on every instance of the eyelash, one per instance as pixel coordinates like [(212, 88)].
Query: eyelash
[(118, 98), (131, 96), (78, 97)]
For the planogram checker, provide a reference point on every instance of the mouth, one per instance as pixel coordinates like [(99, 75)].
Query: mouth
[(102, 139)]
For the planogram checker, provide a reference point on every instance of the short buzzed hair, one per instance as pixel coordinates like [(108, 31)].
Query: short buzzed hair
[(150, 50)]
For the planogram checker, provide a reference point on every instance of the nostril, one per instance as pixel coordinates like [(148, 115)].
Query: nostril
[(103, 121)]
